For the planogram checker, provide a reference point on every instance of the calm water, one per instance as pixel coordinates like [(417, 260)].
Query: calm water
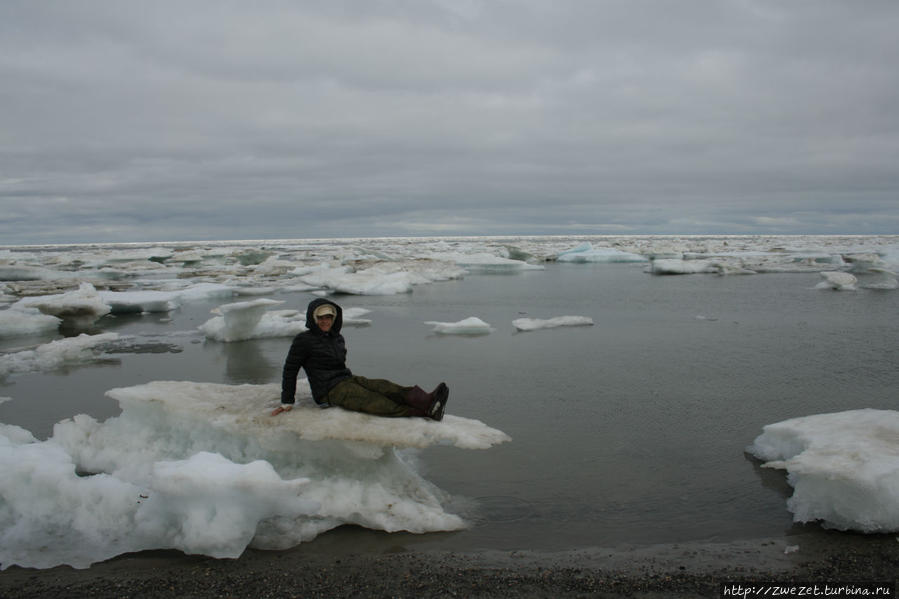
[(630, 431)]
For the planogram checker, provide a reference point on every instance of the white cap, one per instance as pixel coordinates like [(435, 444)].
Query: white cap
[(324, 309)]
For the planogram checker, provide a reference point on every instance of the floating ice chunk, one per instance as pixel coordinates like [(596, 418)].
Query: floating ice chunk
[(353, 317), (274, 266), (880, 278), (272, 324), (73, 350), (532, 324), (240, 321), (138, 302), (380, 279), (205, 468), (250, 257), (469, 326), (483, 262), (862, 263), (839, 281), (844, 467), (366, 282), (26, 321), (84, 306), (587, 253), (689, 267)]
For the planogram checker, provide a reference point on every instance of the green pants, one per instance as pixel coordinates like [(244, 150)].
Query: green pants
[(372, 396)]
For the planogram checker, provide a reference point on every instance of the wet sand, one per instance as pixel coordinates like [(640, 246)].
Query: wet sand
[(679, 570)]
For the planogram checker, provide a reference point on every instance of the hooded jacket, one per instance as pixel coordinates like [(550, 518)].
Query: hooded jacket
[(322, 355)]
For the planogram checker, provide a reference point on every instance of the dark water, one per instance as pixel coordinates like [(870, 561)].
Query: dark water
[(629, 431)]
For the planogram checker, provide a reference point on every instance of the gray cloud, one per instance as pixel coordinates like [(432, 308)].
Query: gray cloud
[(158, 121)]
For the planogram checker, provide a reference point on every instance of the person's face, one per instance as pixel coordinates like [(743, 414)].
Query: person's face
[(325, 322)]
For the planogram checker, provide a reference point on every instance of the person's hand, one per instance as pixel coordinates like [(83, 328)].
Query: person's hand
[(280, 409)]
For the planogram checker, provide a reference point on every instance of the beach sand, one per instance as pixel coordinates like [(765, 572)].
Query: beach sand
[(672, 570)]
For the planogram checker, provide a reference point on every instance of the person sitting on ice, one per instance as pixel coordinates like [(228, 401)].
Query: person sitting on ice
[(321, 352)]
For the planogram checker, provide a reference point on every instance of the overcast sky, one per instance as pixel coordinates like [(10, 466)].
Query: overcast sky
[(195, 120)]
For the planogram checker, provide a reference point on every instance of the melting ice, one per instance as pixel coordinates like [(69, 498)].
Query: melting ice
[(206, 469), (844, 467)]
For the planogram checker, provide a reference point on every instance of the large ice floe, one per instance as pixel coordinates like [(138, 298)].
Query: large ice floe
[(204, 468), (844, 467)]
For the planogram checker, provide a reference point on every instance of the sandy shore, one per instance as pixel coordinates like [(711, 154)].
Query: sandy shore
[(681, 570)]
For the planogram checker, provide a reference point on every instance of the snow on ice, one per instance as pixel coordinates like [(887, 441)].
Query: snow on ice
[(844, 467), (204, 468)]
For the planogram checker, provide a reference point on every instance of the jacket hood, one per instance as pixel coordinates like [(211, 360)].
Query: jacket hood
[(310, 320)]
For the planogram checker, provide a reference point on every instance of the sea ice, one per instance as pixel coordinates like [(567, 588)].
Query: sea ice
[(587, 253), (374, 281), (468, 326), (839, 281), (138, 302), (532, 324), (204, 468), (353, 317), (483, 262), (72, 350), (880, 278), (844, 467), (26, 321), (83, 306), (240, 321), (717, 266)]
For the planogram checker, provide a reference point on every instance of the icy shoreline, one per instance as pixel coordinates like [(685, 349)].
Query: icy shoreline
[(62, 303)]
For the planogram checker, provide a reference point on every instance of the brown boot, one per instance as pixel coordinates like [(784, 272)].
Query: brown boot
[(429, 404)]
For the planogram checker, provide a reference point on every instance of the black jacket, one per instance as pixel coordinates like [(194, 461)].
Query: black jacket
[(322, 355)]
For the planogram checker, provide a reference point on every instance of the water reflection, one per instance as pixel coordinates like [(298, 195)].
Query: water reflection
[(246, 364)]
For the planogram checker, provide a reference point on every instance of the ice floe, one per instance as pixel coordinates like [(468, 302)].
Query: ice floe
[(839, 281), (83, 306), (533, 324), (468, 326), (587, 253), (22, 321), (240, 321), (204, 468), (843, 467), (55, 354)]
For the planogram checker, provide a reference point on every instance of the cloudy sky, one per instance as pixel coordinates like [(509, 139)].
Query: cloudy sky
[(218, 119)]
